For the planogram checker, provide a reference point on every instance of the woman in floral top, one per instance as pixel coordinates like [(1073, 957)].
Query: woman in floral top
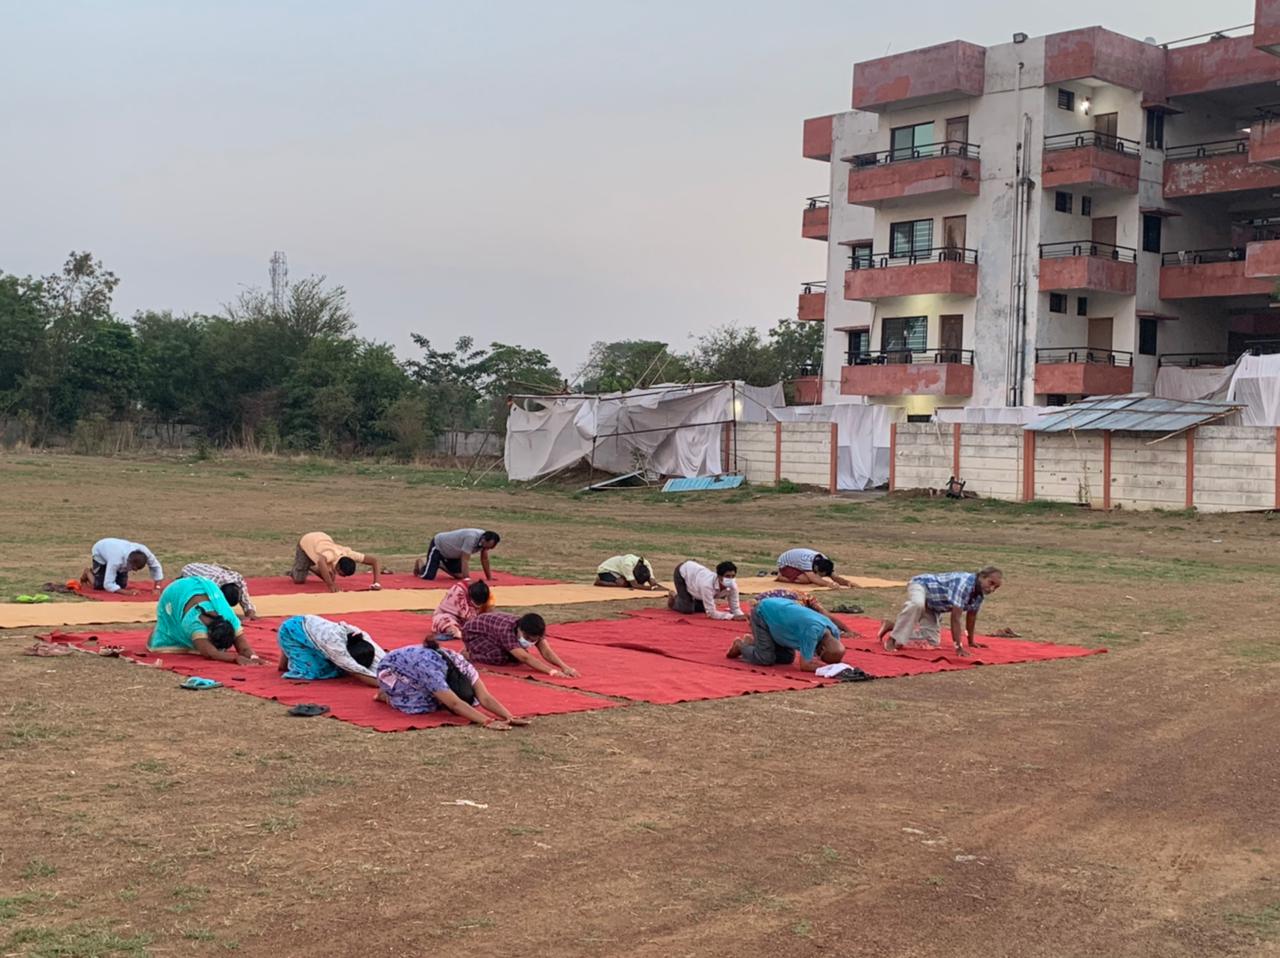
[(413, 680)]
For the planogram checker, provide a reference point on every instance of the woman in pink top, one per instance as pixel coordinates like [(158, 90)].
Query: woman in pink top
[(462, 602)]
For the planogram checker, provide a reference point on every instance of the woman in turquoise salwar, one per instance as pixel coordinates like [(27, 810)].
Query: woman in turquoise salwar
[(193, 617)]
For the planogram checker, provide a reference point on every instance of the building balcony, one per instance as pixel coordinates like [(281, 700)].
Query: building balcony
[(933, 372), (819, 134), (950, 167), (945, 272), (816, 223), (806, 389), (1082, 371), (1228, 63), (1091, 159), (1215, 167), (1206, 273), (1266, 26), (1196, 360), (812, 306), (1264, 141), (948, 71), (1085, 266)]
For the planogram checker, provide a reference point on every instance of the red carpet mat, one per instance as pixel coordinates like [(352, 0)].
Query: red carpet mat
[(283, 585), (703, 640), (347, 699)]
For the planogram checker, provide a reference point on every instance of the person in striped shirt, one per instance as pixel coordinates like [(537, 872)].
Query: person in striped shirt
[(231, 582), (809, 566)]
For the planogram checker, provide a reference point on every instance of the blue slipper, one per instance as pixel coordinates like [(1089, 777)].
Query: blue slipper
[(195, 683)]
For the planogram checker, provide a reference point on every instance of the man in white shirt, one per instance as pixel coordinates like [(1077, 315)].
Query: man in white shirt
[(112, 560), (698, 588), (809, 566), (452, 551), (231, 582)]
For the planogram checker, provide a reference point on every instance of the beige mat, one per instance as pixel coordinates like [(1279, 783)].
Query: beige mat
[(62, 614)]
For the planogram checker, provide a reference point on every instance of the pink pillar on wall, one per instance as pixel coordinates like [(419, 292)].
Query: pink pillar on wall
[(835, 457), (893, 455), (1191, 468)]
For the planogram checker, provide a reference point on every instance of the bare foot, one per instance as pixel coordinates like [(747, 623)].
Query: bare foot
[(885, 628), (887, 643), (735, 650)]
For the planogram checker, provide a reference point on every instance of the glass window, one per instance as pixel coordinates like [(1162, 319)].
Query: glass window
[(1057, 302), (1062, 201), (1147, 336), (1150, 233), (1155, 129), (904, 334), (1066, 100), (910, 238), (906, 141), (859, 345), (1082, 305), (1086, 206), (860, 257)]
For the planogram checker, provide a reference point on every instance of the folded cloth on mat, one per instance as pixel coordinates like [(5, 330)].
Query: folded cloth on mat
[(651, 677), (360, 582), (347, 699)]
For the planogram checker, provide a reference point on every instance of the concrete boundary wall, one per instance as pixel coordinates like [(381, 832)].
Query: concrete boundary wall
[(802, 452), (1210, 468)]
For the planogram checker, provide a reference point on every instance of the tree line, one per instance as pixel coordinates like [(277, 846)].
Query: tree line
[(294, 376)]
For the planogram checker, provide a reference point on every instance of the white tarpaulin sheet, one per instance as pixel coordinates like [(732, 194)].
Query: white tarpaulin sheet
[(669, 430), (862, 439), (1203, 382), (1256, 385), (1008, 415)]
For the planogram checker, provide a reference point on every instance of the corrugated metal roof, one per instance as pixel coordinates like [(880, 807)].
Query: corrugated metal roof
[(700, 483), (1135, 412)]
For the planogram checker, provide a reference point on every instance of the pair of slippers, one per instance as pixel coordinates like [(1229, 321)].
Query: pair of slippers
[(31, 599)]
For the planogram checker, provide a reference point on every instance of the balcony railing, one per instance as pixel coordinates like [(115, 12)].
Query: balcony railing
[(817, 202), (1194, 360), (818, 286), (1194, 257), (809, 369), (859, 259), (967, 151), (1194, 151), (1084, 354), (1123, 254), (894, 357), (1103, 141)]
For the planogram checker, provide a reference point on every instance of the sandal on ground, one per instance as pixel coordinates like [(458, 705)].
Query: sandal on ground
[(308, 710), (47, 650), (195, 683)]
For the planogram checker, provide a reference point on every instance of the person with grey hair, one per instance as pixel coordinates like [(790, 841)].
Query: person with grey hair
[(931, 594)]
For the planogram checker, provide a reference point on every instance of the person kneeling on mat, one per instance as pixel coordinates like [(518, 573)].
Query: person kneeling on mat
[(781, 628), (809, 566), (424, 678), (314, 648), (317, 553), (452, 551), (698, 588), (194, 618), (462, 603), (929, 595), (499, 638), (627, 572)]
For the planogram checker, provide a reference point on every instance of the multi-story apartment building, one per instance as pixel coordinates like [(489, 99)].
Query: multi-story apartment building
[(1049, 218)]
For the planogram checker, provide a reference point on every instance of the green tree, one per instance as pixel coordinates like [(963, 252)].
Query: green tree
[(22, 330), (171, 351), (796, 345), (732, 352), (631, 364)]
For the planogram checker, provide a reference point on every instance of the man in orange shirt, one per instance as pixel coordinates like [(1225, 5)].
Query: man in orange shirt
[(318, 553)]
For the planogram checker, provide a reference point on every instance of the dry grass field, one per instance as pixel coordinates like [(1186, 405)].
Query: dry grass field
[(1116, 805)]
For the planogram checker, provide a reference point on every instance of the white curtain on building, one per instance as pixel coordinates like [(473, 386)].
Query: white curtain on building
[(1205, 382), (1006, 415), (1256, 385), (862, 439)]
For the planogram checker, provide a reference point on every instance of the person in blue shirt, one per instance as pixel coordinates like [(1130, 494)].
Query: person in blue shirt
[(931, 594), (782, 629)]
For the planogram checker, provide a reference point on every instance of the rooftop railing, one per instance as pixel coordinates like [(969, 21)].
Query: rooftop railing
[(817, 286), (859, 259), (817, 202), (960, 148), (895, 357)]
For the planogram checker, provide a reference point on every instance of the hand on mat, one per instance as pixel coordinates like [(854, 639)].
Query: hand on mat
[(569, 673), (498, 725), (960, 651), (978, 645), (516, 720), (250, 616), (248, 660), (556, 674)]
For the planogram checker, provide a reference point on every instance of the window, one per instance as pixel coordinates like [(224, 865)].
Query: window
[(1066, 100), (906, 141), (1155, 129), (1146, 336), (859, 346), (1150, 233), (1082, 305), (910, 238), (860, 256), (902, 336), (1062, 201), (1057, 302), (919, 417), (1086, 206)]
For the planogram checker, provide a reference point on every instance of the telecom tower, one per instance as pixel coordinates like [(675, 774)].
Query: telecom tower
[(279, 279)]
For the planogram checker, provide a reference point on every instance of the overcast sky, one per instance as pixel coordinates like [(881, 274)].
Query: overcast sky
[(547, 173)]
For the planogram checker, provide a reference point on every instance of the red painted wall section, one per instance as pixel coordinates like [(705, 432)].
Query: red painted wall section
[(1266, 25), (812, 307), (818, 137), (889, 181), (808, 390), (868, 285), (816, 223), (1206, 176), (947, 71), (1219, 65), (1088, 165), (1262, 260), (1090, 379), (1210, 279), (1264, 141), (1100, 274), (1112, 57), (908, 379)]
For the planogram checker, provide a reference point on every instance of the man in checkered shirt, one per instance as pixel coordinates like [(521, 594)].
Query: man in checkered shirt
[(931, 594), (232, 583)]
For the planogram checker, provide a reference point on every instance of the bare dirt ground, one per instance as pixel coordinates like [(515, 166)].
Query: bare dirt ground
[(1118, 805)]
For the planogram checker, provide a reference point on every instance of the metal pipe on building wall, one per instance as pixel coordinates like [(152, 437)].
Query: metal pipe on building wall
[(1026, 189), (1010, 362)]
